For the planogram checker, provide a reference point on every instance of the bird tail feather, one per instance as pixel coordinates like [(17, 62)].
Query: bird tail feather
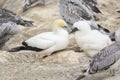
[(80, 77), (27, 23), (17, 49)]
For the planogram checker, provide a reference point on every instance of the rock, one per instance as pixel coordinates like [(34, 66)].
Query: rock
[(5, 57)]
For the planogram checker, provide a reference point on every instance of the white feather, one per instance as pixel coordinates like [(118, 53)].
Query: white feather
[(91, 41), (50, 41)]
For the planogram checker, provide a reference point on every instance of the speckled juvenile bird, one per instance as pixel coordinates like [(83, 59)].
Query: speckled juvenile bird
[(7, 15), (75, 10), (8, 25), (32, 3), (107, 58), (47, 42)]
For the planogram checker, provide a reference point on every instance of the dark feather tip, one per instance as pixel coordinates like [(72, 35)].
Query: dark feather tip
[(80, 77), (28, 23), (118, 11)]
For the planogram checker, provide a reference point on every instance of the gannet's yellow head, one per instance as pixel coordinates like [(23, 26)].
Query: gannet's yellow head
[(59, 23)]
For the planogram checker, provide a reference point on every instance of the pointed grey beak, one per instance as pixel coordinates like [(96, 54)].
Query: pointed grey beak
[(74, 30), (67, 28)]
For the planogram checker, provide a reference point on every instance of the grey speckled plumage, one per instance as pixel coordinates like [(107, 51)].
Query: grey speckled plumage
[(8, 25), (104, 59), (31, 3), (115, 36), (74, 10), (7, 30), (7, 15), (93, 5)]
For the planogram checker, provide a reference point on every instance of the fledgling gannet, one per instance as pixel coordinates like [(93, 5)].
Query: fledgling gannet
[(32, 3), (91, 41), (48, 42), (115, 36), (7, 30), (75, 10), (7, 15), (107, 58), (8, 25)]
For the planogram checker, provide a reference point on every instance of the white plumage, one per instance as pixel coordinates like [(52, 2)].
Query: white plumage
[(91, 41), (48, 42)]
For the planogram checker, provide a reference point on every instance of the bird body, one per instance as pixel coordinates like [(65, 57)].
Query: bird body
[(7, 15), (91, 41), (75, 10), (32, 3), (48, 42), (7, 30), (8, 25), (107, 58)]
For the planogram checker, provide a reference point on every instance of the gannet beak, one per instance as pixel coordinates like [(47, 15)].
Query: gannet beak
[(68, 29), (74, 30)]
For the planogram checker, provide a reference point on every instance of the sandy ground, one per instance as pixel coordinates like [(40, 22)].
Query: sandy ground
[(64, 65)]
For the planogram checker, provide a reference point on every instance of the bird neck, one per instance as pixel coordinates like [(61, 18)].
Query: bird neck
[(82, 33), (60, 32)]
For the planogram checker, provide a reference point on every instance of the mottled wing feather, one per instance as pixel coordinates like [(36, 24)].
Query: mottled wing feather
[(6, 15), (93, 5), (74, 10), (105, 58)]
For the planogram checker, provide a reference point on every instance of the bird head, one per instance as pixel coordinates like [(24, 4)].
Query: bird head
[(61, 24), (82, 26)]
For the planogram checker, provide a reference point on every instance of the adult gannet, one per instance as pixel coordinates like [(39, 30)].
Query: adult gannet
[(48, 42)]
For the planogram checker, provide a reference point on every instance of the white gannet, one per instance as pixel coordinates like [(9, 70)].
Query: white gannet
[(48, 42), (107, 58), (91, 41), (75, 10), (8, 25), (32, 3)]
